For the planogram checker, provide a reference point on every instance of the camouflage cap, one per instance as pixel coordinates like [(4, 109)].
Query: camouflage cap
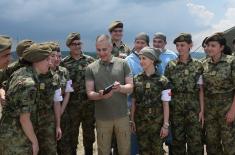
[(159, 35), (142, 36), (151, 53), (5, 43), (115, 24), (54, 46), (37, 52), (183, 37), (71, 37), (22, 46), (218, 36)]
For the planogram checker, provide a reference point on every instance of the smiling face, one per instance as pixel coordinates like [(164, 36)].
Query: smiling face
[(139, 44), (159, 43), (75, 46), (214, 48), (183, 47), (116, 34), (145, 62), (103, 49), (59, 58)]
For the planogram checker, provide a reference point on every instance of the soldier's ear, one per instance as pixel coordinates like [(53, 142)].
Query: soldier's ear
[(222, 47)]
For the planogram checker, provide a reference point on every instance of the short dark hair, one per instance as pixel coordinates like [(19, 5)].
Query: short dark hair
[(219, 37), (204, 42)]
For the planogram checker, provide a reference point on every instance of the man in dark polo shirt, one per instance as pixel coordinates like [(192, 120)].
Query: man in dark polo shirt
[(111, 110)]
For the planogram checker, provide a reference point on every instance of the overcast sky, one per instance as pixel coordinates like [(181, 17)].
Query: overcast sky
[(43, 20)]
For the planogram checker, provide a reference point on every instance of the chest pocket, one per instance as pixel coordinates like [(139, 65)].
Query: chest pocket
[(148, 93)]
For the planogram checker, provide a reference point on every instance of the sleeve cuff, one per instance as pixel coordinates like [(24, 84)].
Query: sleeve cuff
[(69, 87), (57, 96), (200, 80), (166, 95)]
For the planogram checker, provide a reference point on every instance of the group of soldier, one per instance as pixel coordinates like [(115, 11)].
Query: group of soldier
[(45, 99)]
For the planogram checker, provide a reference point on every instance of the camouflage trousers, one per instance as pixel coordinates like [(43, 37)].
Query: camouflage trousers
[(185, 125), (148, 126), (65, 139), (45, 132), (220, 137), (79, 112), (12, 138)]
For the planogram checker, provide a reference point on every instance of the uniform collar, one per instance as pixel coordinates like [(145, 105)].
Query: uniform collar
[(222, 59), (152, 75), (121, 44), (81, 57), (107, 63), (189, 60)]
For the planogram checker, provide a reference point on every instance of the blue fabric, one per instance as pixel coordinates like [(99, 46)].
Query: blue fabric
[(134, 145), (134, 63), (165, 57)]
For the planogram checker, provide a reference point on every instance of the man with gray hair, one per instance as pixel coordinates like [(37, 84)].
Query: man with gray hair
[(108, 81), (159, 41)]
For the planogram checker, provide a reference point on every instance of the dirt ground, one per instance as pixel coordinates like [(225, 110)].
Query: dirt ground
[(80, 150)]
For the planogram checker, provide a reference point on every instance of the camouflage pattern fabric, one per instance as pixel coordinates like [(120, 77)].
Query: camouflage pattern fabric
[(149, 112), (219, 83), (48, 83), (21, 98), (123, 48), (185, 106), (79, 109), (65, 124)]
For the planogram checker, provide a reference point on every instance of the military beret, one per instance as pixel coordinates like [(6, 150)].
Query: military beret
[(54, 46), (142, 36), (115, 24), (37, 52), (219, 37), (71, 37), (5, 43), (151, 53), (183, 37), (159, 35), (22, 46)]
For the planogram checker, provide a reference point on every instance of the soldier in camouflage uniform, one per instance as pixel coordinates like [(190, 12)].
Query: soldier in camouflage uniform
[(187, 100), (119, 48), (48, 118), (5, 50), (20, 125), (219, 85), (80, 110), (65, 84), (20, 48), (149, 116)]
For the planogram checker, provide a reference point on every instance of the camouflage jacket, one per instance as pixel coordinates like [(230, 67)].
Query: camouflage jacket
[(77, 70), (184, 77), (148, 90), (123, 48), (27, 86), (31, 93), (6, 73), (219, 77), (63, 76)]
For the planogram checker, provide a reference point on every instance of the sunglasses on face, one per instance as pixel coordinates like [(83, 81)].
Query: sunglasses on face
[(75, 44)]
